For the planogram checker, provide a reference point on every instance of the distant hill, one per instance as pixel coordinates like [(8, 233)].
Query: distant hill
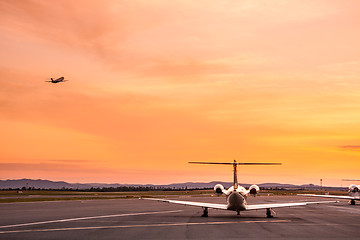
[(39, 183), (46, 184)]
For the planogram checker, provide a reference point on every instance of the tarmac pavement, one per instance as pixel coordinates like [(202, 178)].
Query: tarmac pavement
[(143, 219)]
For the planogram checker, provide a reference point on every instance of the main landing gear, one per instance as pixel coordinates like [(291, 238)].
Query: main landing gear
[(205, 213), (352, 202), (269, 213)]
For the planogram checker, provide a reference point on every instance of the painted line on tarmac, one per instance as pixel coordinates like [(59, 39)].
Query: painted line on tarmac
[(144, 225), (86, 218), (349, 209)]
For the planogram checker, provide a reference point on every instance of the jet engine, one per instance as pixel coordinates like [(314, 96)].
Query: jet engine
[(353, 188), (219, 189), (254, 189)]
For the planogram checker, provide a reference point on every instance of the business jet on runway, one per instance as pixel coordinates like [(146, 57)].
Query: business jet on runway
[(60, 79), (354, 193), (236, 196)]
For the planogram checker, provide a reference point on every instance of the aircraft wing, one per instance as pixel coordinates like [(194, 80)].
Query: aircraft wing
[(330, 196), (280, 205), (249, 207), (188, 203)]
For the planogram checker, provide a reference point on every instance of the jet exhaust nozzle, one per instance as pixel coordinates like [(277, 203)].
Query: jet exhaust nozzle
[(219, 189), (254, 189)]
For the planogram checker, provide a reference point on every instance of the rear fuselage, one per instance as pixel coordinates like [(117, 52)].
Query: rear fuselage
[(57, 80), (236, 199)]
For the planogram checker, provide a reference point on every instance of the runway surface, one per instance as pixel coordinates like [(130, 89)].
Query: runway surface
[(143, 219)]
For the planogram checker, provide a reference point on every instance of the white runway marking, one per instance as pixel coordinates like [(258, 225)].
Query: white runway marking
[(145, 225), (85, 218)]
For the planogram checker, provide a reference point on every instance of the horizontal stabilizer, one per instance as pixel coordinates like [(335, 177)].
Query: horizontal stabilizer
[(236, 163)]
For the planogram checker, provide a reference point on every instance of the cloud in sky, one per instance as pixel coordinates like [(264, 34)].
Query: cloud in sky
[(179, 80), (128, 32), (351, 147)]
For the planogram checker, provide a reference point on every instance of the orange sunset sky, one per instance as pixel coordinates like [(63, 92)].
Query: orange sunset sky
[(155, 84)]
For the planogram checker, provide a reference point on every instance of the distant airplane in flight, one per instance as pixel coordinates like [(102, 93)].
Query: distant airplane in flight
[(354, 193), (236, 196), (60, 79)]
